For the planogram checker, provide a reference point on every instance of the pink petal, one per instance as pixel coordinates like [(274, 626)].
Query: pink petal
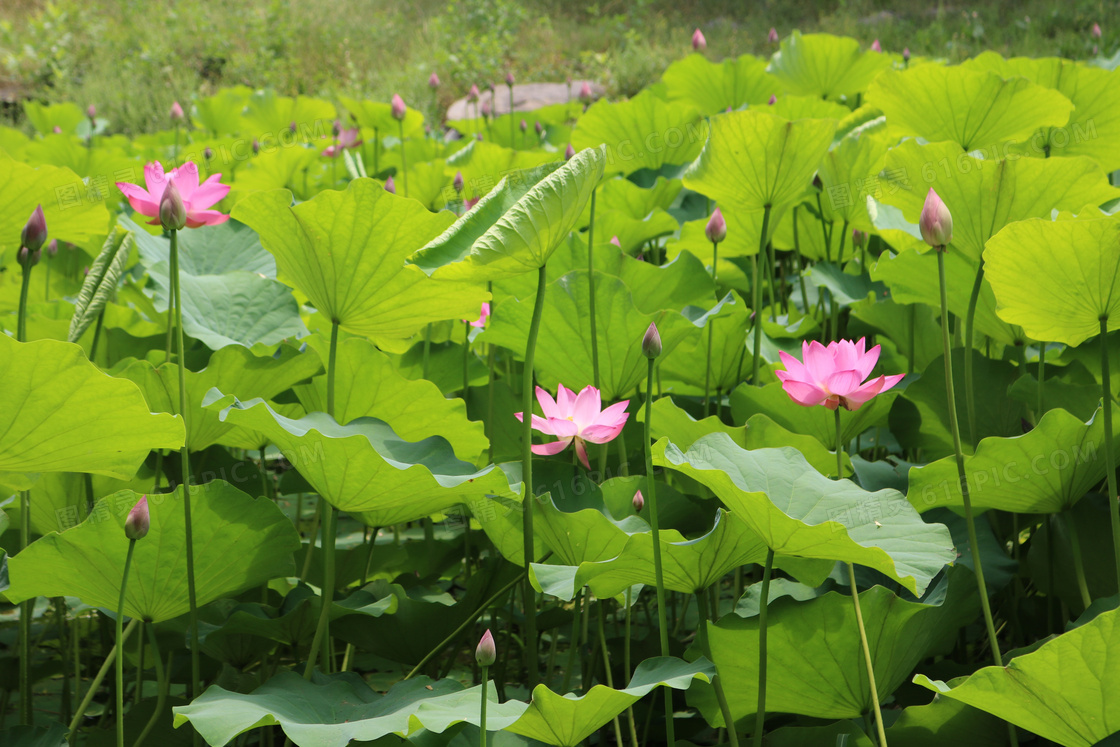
[(138, 197), (548, 405), (587, 407), (600, 434), (565, 400), (841, 383), (209, 193), (186, 179), (550, 448), (614, 415), (868, 360), (155, 179), (804, 394), (562, 427), (795, 368), (198, 218), (845, 356), (538, 423), (818, 361), (870, 389), (581, 452)]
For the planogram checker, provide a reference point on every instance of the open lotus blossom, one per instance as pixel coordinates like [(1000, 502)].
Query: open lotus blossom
[(833, 376), (350, 137), (197, 198), (580, 418)]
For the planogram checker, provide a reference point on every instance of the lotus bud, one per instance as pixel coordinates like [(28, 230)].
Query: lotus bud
[(137, 523), (936, 222), (56, 130), (52, 248), (1096, 31), (858, 237), (569, 152), (509, 79), (292, 127), (616, 242), (177, 112), (699, 43), (458, 183), (398, 108), (716, 230), (772, 37), (773, 100), (390, 186), (472, 95), (524, 126), (486, 108), (26, 258), (433, 81), (256, 147), (585, 92), (172, 213), (91, 111), (486, 653), (651, 342), (639, 502), (906, 55), (34, 233), (336, 128), (876, 47), (208, 153), (538, 127)]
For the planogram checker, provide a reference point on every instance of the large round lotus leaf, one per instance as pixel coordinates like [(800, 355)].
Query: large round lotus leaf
[(270, 115), (516, 228), (60, 413), (824, 65), (583, 535), (346, 252), (753, 160), (799, 512), (239, 542), (1057, 279), (848, 175), (645, 132), (815, 662), (387, 480), (1093, 128), (481, 162), (1044, 471), (713, 87), (985, 195), (1068, 690), (378, 115), (972, 109), (220, 114)]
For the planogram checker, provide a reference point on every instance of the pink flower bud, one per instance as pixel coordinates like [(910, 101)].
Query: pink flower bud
[(172, 212), (651, 342), (91, 111), (538, 127), (256, 147), (433, 81), (137, 523), (524, 125), (390, 187), (509, 79), (486, 108), (585, 92), (858, 237), (292, 127), (486, 652), (772, 37), (699, 43), (458, 183), (176, 112), (52, 248), (716, 230), (34, 233), (773, 100), (639, 502), (906, 54), (472, 95), (569, 152), (398, 108), (1096, 31), (27, 258), (56, 130), (876, 47), (616, 242), (936, 222)]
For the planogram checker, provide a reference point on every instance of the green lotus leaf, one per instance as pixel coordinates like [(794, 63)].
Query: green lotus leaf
[(45, 117), (744, 227), (1044, 471), (985, 195), (972, 109), (100, 282), (944, 721), (726, 325), (815, 661), (772, 401), (825, 66), (1093, 128), (848, 174), (801, 513), (632, 233), (644, 132), (484, 164), (845, 288), (345, 251), (112, 161), (585, 535), (809, 241), (1057, 279), (270, 115), (630, 199), (368, 385), (1063, 691), (69, 215), (378, 115), (387, 479), (713, 87), (275, 167), (60, 413), (220, 114), (232, 369), (808, 107), (753, 160), (240, 542), (564, 353)]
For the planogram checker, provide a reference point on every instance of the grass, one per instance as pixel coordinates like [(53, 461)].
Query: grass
[(133, 58)]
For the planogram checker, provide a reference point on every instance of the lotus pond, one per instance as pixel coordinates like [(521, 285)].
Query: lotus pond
[(775, 405)]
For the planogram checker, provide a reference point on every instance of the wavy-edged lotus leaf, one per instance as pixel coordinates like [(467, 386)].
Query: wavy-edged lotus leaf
[(1044, 471), (346, 252), (713, 87), (644, 132), (672, 422), (44, 118), (817, 641), (1065, 691), (726, 327), (378, 115), (564, 354), (754, 159), (220, 114), (1057, 279), (369, 385), (847, 173), (585, 535), (239, 541), (632, 233), (513, 231), (771, 400), (809, 107), (970, 108), (232, 369), (484, 164), (680, 282), (919, 417), (799, 512), (387, 479), (630, 199), (25, 187), (1093, 128), (985, 195), (270, 115), (944, 721), (825, 66), (227, 247), (275, 167), (60, 413)]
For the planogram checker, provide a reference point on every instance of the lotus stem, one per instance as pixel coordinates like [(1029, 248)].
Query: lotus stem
[(404, 165), (1109, 453), (708, 367), (607, 671), (119, 663), (626, 663), (590, 285), (867, 657), (528, 593), (843, 241), (757, 296), (717, 683), (1078, 565), (164, 681), (651, 489), (573, 646), (824, 231), (763, 604), (97, 680), (969, 324)]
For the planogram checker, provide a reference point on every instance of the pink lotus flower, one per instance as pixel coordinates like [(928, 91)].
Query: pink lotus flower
[(876, 46), (347, 138), (833, 376), (483, 316), (176, 112), (433, 81), (585, 93), (578, 418), (1096, 31), (472, 95), (772, 37), (699, 43), (397, 107), (197, 198)]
